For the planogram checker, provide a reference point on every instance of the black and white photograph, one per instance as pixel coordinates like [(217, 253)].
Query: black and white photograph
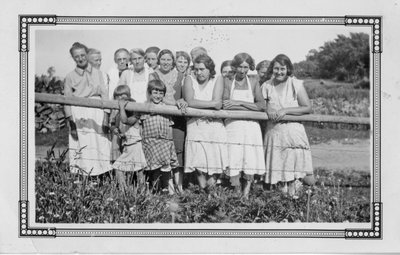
[(110, 166), (255, 127)]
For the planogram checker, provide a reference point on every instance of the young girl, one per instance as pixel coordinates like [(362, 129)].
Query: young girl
[(125, 128), (158, 144)]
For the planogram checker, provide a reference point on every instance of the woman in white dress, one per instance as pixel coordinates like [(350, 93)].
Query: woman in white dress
[(205, 147), (245, 144), (89, 144), (288, 154)]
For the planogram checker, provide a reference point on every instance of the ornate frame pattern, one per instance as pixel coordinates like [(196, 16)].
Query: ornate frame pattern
[(27, 21)]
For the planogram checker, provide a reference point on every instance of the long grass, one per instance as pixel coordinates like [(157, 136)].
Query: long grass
[(63, 197), (335, 98)]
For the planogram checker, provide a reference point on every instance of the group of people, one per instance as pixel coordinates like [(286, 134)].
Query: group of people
[(160, 149)]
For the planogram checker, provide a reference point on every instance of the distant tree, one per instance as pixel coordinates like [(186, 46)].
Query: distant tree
[(344, 59), (306, 69)]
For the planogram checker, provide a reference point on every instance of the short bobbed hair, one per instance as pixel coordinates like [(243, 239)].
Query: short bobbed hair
[(78, 45), (183, 54), (243, 57), (284, 60), (226, 63), (156, 85), (163, 52), (208, 63), (122, 90)]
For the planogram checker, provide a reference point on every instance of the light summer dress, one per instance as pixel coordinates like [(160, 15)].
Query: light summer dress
[(205, 147), (288, 154), (245, 144)]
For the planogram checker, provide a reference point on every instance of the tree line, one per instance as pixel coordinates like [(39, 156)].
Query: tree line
[(343, 59)]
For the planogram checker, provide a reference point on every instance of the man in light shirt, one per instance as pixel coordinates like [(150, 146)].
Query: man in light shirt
[(122, 60)]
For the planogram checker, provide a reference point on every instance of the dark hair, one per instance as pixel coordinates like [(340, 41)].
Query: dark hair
[(243, 57), (262, 64), (185, 55), (156, 85), (122, 90), (208, 63), (78, 45), (153, 49), (163, 52), (226, 63), (284, 60)]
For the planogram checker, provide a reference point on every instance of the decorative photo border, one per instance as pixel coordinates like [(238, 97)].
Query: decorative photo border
[(27, 21)]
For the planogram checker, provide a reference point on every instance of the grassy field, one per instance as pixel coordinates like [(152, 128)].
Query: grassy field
[(61, 197)]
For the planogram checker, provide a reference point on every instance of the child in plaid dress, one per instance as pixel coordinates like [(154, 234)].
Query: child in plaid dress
[(125, 127), (158, 145)]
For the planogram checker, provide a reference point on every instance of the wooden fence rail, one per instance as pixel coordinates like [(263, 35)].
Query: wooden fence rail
[(191, 112)]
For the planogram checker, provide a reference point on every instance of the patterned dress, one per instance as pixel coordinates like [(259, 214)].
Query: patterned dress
[(158, 145), (173, 81), (288, 154)]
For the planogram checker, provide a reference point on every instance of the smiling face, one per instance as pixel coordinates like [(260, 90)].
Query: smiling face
[(80, 57), (95, 60), (166, 63), (201, 72), (182, 64), (156, 96), (137, 61), (242, 70), (122, 59), (279, 72), (151, 60)]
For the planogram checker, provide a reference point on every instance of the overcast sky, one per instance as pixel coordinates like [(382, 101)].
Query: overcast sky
[(51, 44)]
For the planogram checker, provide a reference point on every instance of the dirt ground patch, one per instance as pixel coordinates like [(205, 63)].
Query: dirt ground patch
[(347, 154)]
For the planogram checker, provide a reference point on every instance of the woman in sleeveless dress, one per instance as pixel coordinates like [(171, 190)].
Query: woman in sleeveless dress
[(173, 96), (205, 148), (288, 154), (245, 143)]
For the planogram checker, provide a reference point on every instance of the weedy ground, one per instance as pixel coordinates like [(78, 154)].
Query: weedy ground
[(62, 197)]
